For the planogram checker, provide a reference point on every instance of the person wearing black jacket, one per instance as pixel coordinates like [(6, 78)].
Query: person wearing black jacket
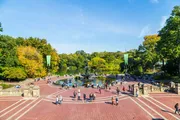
[(176, 108)]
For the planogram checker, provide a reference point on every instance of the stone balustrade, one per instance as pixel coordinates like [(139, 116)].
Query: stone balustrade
[(27, 91), (145, 89), (11, 92)]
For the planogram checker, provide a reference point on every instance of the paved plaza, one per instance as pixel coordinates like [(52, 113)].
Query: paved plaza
[(154, 106)]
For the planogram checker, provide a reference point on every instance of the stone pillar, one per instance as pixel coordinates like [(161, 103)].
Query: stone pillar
[(145, 89), (36, 91), (26, 92), (135, 87), (177, 88), (161, 88)]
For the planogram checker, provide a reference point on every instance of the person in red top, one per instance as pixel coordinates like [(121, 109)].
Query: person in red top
[(123, 89)]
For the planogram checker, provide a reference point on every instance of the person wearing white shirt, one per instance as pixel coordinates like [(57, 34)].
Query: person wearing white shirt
[(60, 99)]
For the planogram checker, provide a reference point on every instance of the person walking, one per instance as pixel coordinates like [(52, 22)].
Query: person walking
[(74, 93), (118, 91), (137, 92), (117, 100), (129, 88), (100, 90), (123, 89), (176, 108), (84, 96), (106, 85), (97, 86)]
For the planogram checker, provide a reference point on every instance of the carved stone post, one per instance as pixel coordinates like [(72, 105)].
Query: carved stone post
[(145, 89), (161, 88), (36, 91), (177, 88), (26, 92)]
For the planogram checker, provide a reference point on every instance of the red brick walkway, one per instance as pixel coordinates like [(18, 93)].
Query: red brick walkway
[(143, 108)]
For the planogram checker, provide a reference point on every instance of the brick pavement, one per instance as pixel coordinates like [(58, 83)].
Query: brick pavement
[(159, 105)]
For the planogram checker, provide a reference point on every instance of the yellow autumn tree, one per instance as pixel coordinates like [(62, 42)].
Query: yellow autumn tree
[(54, 61), (31, 60)]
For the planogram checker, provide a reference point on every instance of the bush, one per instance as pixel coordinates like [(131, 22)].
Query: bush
[(14, 73), (162, 77), (5, 86)]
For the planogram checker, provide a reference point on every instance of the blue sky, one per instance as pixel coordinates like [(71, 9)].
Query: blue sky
[(89, 25)]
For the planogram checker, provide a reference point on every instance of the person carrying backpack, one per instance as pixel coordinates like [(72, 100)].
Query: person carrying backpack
[(176, 108)]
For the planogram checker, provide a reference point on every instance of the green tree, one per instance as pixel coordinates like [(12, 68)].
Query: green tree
[(150, 55), (14, 73), (169, 45), (8, 56), (1, 29), (97, 64)]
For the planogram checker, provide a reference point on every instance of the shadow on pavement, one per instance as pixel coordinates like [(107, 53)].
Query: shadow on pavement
[(157, 119), (109, 103)]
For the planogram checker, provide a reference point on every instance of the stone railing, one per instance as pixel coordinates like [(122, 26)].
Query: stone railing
[(11, 92), (145, 89), (27, 91), (153, 88)]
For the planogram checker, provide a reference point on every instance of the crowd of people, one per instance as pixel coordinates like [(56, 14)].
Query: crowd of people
[(92, 96)]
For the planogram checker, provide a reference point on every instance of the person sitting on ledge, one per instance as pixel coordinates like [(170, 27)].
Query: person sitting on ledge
[(57, 100), (94, 96), (91, 97), (60, 99)]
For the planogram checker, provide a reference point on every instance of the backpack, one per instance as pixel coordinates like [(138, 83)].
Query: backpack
[(175, 106)]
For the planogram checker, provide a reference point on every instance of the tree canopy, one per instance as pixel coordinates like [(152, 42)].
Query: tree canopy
[(26, 57)]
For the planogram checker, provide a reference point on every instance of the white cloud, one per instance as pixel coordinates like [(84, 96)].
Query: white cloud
[(163, 21), (144, 31), (154, 1)]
